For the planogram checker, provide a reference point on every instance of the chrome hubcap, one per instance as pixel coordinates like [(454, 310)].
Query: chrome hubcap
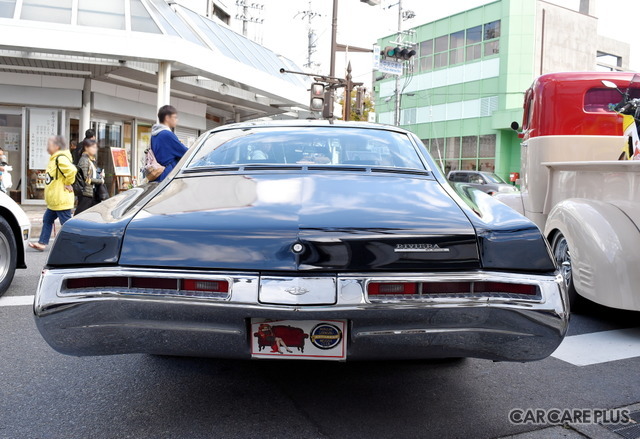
[(4, 256), (563, 258)]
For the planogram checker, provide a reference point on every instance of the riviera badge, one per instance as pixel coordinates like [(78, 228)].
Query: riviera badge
[(419, 248)]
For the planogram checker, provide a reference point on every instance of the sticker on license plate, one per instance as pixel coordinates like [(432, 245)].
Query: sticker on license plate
[(299, 339)]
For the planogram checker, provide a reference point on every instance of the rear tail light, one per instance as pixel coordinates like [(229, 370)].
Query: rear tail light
[(392, 288), (97, 282), (417, 289), (212, 286), (502, 287), (152, 285)]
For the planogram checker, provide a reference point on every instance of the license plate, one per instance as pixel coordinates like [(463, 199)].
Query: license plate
[(299, 339)]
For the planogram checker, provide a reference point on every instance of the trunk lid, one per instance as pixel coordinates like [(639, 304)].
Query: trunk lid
[(343, 221)]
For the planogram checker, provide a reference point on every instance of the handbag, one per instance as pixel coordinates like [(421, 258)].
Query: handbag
[(100, 193), (152, 169)]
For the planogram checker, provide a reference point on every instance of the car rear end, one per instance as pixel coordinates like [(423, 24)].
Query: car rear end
[(303, 261), (489, 315)]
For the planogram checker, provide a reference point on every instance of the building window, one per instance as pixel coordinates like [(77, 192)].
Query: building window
[(474, 52), (492, 48), (469, 153), (426, 48), (474, 35), (426, 63), (456, 40), (408, 116), (442, 43), (606, 62), (101, 14), (7, 7), (487, 146), (456, 56), (492, 30), (470, 147), (440, 60), (459, 47), (38, 10), (220, 14), (453, 148)]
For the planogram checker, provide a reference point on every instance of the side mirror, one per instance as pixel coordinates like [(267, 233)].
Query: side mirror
[(610, 84), (515, 126)]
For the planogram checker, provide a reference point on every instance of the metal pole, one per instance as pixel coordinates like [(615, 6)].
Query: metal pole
[(397, 97), (334, 48), (334, 34), (245, 12), (347, 94)]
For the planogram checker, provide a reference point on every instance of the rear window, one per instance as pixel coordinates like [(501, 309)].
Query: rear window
[(597, 100), (308, 146), (459, 177)]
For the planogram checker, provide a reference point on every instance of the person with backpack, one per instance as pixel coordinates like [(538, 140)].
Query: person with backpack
[(77, 153), (87, 165), (58, 192), (165, 146)]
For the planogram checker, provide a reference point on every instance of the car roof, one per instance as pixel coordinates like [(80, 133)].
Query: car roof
[(309, 123)]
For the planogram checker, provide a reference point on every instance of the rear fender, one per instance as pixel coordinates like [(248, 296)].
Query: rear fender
[(605, 248)]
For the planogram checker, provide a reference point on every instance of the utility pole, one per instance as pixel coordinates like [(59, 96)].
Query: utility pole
[(334, 36), (402, 51), (246, 14), (310, 15), (396, 112)]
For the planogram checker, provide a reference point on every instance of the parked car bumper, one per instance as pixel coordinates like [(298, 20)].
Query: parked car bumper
[(117, 321)]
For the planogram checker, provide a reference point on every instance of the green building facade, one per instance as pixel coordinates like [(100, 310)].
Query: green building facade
[(466, 85)]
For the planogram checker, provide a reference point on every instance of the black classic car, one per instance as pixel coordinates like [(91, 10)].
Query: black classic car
[(303, 240)]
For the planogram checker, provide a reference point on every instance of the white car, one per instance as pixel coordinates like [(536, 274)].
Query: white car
[(14, 234)]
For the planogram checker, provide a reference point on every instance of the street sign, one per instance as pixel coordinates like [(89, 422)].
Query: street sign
[(390, 67), (376, 57)]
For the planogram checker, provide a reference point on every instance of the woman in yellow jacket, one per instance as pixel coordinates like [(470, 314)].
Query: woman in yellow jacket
[(58, 192)]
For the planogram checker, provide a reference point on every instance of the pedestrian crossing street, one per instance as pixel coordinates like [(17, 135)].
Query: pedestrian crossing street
[(578, 350)]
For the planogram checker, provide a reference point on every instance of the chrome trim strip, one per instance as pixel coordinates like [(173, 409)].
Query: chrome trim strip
[(438, 331)]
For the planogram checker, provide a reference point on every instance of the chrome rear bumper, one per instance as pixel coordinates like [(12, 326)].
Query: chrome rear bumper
[(505, 328)]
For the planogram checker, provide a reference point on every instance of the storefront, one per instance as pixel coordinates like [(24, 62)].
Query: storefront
[(60, 76)]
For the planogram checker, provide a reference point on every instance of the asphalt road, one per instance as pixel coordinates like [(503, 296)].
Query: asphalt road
[(44, 394)]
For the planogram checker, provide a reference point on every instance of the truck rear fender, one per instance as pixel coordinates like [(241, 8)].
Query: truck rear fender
[(605, 247)]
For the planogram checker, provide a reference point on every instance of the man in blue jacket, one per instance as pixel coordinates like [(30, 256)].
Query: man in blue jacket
[(165, 145)]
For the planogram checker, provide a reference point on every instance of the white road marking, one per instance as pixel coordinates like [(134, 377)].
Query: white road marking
[(16, 300), (599, 347)]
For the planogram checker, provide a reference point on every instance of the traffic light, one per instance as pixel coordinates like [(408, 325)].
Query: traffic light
[(327, 111), (398, 53), (406, 53), (360, 101), (391, 51), (317, 97)]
